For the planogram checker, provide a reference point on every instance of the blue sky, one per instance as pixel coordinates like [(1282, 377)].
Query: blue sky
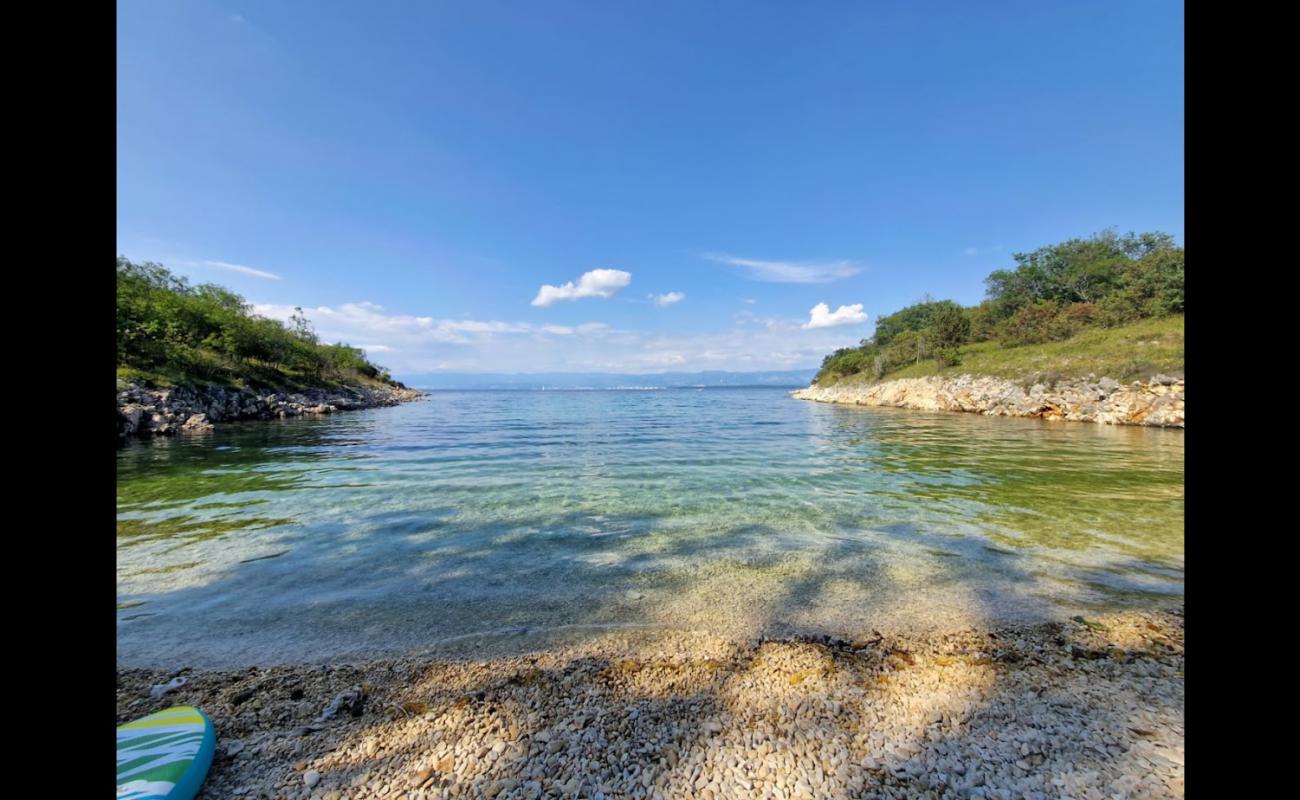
[(413, 174)]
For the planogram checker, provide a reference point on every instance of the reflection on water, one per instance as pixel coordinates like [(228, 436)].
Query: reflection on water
[(740, 511)]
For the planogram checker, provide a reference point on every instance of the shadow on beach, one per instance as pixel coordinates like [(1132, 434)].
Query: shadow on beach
[(980, 709)]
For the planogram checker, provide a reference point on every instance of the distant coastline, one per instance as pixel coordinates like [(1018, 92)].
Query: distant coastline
[(616, 388), (552, 381)]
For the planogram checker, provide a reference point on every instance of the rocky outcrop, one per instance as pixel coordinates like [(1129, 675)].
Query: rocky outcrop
[(1157, 402), (142, 411)]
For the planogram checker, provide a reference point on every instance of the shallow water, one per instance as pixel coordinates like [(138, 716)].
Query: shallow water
[(493, 521)]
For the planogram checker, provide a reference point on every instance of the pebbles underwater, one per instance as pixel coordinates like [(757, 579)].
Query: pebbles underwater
[(1089, 708)]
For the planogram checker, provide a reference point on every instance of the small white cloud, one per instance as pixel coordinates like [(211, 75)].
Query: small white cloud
[(484, 326), (662, 300), (789, 271), (597, 283), (971, 251), (256, 273), (585, 328), (750, 300), (376, 348), (821, 316)]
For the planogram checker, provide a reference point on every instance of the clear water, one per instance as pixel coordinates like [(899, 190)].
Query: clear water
[(483, 521)]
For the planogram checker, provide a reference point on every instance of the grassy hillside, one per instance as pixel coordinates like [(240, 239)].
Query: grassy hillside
[(170, 333), (1108, 305), (269, 379), (1130, 352)]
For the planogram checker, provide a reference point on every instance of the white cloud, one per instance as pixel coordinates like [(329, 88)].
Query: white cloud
[(410, 344), (483, 326), (256, 273), (662, 300), (409, 334), (751, 301), (971, 251), (821, 316), (597, 283), (789, 271), (575, 330)]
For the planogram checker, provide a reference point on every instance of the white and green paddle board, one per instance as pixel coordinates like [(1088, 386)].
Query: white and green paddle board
[(164, 756)]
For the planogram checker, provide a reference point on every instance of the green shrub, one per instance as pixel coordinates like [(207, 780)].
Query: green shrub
[(1054, 293), (842, 363), (1071, 320), (983, 322), (208, 333), (1080, 314), (1119, 309), (1158, 280), (908, 347), (947, 356), (916, 317), (949, 326), (1089, 270), (1033, 324)]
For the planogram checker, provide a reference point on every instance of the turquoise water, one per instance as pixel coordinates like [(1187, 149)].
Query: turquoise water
[(507, 519)]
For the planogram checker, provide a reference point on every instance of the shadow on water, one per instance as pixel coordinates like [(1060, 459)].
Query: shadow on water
[(812, 696), (452, 587), (906, 518), (542, 579)]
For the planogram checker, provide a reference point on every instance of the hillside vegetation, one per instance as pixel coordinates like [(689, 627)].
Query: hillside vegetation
[(1128, 352), (1108, 305), (171, 333)]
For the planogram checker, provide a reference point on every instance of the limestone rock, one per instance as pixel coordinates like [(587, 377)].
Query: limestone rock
[(1158, 402), (196, 423), (160, 412)]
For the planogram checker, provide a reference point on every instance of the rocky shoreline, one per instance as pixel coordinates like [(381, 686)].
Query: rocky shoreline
[(147, 412), (1089, 708), (1157, 402)]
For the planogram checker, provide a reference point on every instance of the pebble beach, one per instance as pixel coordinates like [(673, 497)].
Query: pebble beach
[(1087, 708)]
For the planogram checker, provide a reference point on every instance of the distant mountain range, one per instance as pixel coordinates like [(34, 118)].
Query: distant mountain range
[(604, 380)]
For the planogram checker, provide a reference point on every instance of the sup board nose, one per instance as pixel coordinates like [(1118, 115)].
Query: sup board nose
[(164, 756)]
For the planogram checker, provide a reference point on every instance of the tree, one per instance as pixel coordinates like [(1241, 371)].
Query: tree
[(915, 317), (1073, 271), (1052, 293), (909, 347), (983, 322), (165, 326), (951, 327), (302, 326)]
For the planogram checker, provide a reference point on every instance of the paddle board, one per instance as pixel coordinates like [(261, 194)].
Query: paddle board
[(164, 756)]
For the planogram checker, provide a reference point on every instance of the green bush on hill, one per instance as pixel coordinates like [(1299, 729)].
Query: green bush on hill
[(1054, 293), (171, 332)]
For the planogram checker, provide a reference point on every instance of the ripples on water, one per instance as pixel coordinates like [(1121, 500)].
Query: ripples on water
[(738, 511)]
